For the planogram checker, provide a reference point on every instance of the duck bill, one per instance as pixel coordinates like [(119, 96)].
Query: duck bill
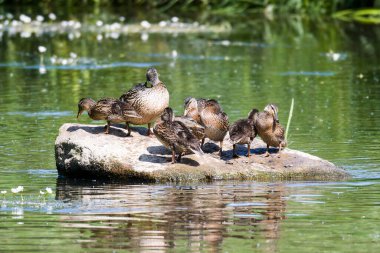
[(79, 113)]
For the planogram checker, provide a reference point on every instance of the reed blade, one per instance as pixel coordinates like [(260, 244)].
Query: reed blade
[(289, 119)]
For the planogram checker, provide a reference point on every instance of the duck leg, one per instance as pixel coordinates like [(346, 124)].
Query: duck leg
[(249, 150), (173, 155), (179, 157), (234, 155), (203, 142), (221, 148), (279, 150), (149, 133), (107, 127), (128, 128), (267, 152)]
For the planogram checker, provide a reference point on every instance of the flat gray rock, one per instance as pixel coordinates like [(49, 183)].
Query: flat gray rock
[(84, 151)]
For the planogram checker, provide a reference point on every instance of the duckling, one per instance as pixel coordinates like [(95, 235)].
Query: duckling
[(269, 128), (148, 101), (209, 114), (243, 132), (193, 107), (109, 109), (175, 135)]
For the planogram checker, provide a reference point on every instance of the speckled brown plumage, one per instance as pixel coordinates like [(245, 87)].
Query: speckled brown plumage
[(243, 132), (148, 102), (210, 115), (109, 109), (269, 128), (175, 135)]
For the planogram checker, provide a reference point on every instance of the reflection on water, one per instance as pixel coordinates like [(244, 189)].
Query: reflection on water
[(238, 216), (330, 70)]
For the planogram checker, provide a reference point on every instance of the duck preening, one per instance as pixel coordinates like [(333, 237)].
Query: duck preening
[(176, 136), (208, 113), (108, 109), (243, 132), (148, 99), (269, 128)]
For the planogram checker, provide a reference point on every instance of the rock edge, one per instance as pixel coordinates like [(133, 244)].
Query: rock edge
[(84, 151)]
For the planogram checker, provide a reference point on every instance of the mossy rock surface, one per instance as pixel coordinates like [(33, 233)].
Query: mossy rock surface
[(84, 151)]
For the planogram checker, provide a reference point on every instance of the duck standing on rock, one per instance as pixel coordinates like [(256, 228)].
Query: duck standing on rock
[(209, 114), (109, 109), (269, 128), (176, 136), (243, 132), (148, 101)]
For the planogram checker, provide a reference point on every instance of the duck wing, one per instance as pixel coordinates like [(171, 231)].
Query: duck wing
[(102, 108), (241, 129), (184, 138), (131, 95)]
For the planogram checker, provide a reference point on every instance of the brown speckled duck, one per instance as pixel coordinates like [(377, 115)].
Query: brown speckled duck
[(209, 114), (148, 101), (243, 132), (175, 135), (109, 109), (269, 128)]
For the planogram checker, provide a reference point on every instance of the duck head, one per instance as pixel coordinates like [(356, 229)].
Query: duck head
[(167, 115), (152, 76), (85, 104), (273, 110), (190, 106)]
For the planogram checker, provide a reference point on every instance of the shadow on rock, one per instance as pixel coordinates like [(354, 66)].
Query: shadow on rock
[(158, 150), (117, 130), (210, 147), (163, 159)]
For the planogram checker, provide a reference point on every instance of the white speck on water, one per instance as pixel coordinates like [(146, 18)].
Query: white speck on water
[(144, 36), (115, 35), (41, 49), (40, 18), (99, 23), (64, 62), (25, 18), (9, 16), (52, 16), (226, 42), (145, 24), (42, 70), (162, 23), (25, 34), (121, 19), (73, 55), (361, 76), (71, 36), (174, 53), (372, 113), (99, 37), (175, 19)]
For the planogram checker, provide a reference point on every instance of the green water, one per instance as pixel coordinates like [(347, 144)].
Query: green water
[(336, 116)]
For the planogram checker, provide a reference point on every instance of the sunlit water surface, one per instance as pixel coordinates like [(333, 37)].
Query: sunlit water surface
[(332, 72)]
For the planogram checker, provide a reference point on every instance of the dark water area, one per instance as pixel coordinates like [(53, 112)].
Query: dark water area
[(330, 68)]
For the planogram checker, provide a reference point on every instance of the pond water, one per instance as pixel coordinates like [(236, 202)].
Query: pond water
[(330, 68)]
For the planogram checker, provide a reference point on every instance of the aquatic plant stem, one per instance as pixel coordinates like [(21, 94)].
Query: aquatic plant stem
[(289, 119)]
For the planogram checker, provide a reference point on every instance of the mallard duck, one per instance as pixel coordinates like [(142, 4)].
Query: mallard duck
[(243, 132), (209, 114), (148, 101), (109, 109), (269, 128), (175, 135), (196, 129)]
